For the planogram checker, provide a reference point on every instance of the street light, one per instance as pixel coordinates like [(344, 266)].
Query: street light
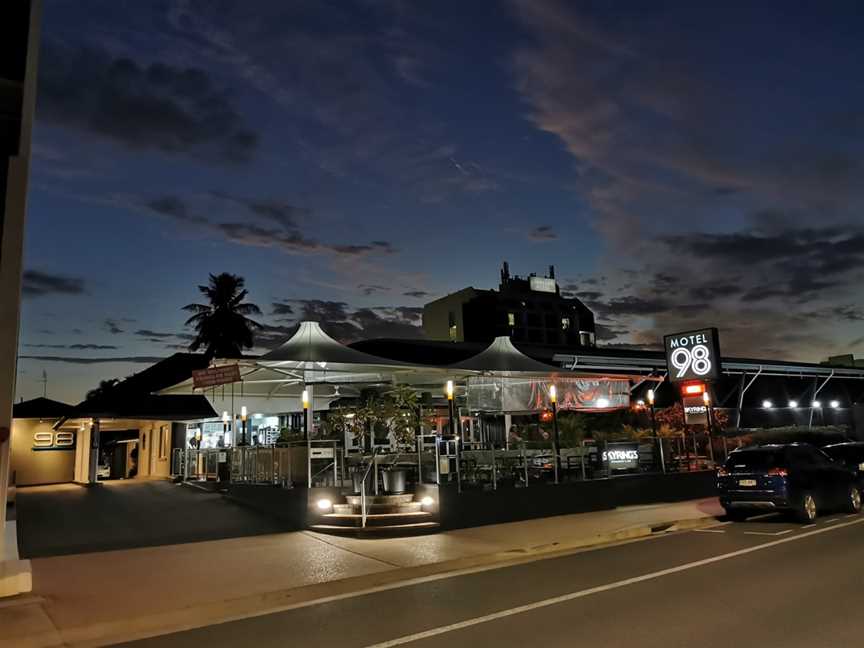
[(793, 404), (706, 398), (305, 399), (451, 408), (834, 404), (816, 404), (243, 413), (767, 404), (553, 398)]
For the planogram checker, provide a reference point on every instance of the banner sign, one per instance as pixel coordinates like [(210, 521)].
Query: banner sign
[(203, 378), (508, 394), (695, 411), (621, 456), (694, 355)]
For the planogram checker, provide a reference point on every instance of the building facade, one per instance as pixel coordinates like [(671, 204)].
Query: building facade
[(530, 310)]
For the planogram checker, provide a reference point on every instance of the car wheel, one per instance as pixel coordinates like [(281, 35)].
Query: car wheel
[(853, 501), (806, 511)]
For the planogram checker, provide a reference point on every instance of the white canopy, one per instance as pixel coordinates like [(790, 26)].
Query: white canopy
[(502, 358)]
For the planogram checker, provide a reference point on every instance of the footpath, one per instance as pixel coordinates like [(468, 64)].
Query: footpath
[(101, 598)]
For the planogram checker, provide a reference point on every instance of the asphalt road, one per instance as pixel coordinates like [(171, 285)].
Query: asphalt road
[(764, 582)]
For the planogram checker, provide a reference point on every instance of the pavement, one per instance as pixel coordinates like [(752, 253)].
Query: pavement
[(764, 582), (72, 519), (97, 598)]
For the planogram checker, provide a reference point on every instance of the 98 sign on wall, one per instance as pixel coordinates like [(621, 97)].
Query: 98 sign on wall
[(693, 355)]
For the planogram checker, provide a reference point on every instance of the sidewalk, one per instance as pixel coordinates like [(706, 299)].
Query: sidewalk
[(99, 598)]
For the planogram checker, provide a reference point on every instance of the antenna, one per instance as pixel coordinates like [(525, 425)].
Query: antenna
[(44, 382)]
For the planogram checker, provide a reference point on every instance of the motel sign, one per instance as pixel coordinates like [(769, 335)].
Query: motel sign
[(693, 355)]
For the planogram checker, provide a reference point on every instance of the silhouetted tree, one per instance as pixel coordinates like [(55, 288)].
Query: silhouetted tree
[(105, 386), (222, 327)]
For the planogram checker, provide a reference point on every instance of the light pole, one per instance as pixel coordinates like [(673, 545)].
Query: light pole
[(706, 398), (243, 418), (553, 398), (657, 439), (305, 397), (225, 427), (451, 408)]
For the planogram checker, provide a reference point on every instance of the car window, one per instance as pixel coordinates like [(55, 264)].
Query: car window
[(846, 454), (755, 459)]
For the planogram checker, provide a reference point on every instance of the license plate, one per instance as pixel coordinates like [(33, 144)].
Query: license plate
[(746, 482)]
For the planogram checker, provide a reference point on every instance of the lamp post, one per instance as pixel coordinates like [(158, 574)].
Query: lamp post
[(706, 398), (450, 408), (243, 412), (657, 440), (225, 419), (553, 398), (305, 415)]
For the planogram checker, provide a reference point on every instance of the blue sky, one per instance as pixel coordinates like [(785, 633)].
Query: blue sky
[(679, 164)]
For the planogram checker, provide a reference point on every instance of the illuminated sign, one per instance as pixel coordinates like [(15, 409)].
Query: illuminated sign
[(542, 284), (694, 355), (621, 456), (51, 440), (695, 411), (214, 376)]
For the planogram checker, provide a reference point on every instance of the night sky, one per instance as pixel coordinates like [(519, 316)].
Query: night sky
[(680, 166)]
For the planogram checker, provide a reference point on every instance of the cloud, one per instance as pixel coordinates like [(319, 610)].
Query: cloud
[(542, 233), (345, 323), (417, 294), (38, 284), (282, 308), (270, 224), (372, 289), (156, 106), (72, 360), (112, 327), (91, 346)]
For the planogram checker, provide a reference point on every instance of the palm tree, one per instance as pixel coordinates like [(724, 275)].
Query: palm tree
[(222, 326), (105, 387)]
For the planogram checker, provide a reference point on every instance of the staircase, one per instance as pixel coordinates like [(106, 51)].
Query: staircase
[(386, 515)]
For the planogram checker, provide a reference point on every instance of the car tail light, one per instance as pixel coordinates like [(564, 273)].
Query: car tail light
[(722, 472), (778, 472)]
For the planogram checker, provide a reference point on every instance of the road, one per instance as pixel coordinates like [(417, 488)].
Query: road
[(764, 582)]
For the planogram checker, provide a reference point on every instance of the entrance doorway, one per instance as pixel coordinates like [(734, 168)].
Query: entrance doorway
[(118, 455)]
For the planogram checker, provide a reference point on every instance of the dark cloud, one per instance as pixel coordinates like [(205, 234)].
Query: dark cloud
[(38, 284), (112, 327), (71, 360), (154, 334), (160, 107), (278, 211), (542, 233), (91, 346), (372, 289), (275, 228), (282, 308), (44, 346), (417, 294)]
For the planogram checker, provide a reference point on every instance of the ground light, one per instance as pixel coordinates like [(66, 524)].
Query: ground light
[(427, 501), (793, 404), (834, 404), (767, 404), (324, 504), (816, 404)]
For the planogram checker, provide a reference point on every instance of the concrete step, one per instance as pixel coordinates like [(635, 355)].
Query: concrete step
[(381, 499), (393, 530), (410, 507), (375, 519)]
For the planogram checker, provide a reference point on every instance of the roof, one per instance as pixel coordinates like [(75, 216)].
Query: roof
[(311, 347), (134, 397), (40, 408), (502, 357)]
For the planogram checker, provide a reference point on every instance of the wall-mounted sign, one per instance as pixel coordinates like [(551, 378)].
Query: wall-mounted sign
[(695, 411), (621, 456), (542, 284), (54, 440), (694, 355), (214, 376)]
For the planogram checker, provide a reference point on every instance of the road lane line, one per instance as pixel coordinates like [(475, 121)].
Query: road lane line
[(762, 516), (434, 632), (808, 526), (832, 520), (768, 533), (710, 530)]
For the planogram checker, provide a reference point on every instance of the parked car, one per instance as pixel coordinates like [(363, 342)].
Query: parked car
[(851, 455), (797, 478)]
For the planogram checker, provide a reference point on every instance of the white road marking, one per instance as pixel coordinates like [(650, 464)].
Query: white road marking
[(808, 526), (831, 520), (766, 533), (433, 632), (710, 530), (852, 515), (762, 516)]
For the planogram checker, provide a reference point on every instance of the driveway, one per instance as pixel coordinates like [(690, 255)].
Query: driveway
[(68, 519)]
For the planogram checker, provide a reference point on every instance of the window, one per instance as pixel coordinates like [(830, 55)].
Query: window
[(511, 319), (163, 445), (451, 322), (565, 323)]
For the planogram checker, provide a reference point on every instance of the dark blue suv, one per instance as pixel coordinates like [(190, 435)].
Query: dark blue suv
[(796, 478)]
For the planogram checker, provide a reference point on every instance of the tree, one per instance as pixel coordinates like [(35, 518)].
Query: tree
[(222, 326), (104, 388)]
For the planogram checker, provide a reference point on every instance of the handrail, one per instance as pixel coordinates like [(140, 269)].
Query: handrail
[(363, 486)]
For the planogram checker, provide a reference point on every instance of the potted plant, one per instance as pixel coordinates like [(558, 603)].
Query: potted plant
[(402, 418)]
